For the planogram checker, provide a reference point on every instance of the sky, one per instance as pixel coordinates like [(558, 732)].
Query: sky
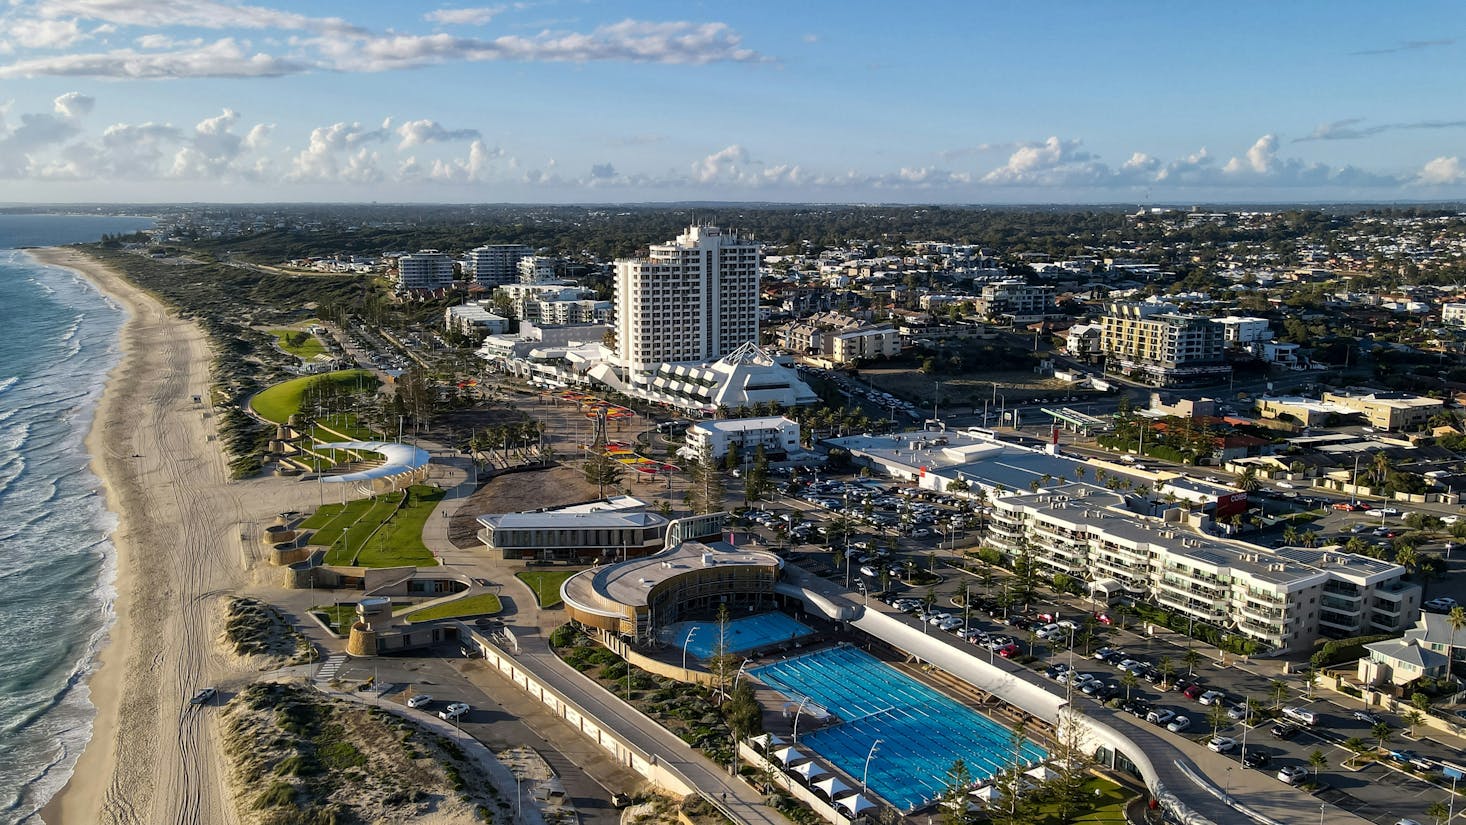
[(858, 101)]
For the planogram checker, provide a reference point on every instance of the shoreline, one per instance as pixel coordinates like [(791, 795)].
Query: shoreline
[(104, 696), (164, 477)]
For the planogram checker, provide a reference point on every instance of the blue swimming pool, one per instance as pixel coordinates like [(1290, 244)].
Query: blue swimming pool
[(747, 633), (922, 732)]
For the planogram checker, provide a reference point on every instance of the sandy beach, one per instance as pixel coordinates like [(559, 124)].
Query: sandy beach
[(181, 546)]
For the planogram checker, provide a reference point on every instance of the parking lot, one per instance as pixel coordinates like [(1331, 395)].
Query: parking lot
[(890, 530)]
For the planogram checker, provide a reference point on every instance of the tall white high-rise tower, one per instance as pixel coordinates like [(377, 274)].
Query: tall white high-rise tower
[(692, 300)]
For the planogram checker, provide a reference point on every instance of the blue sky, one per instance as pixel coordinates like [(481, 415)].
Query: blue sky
[(857, 101)]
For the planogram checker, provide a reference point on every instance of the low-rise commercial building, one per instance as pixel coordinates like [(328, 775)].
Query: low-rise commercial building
[(1387, 410), (474, 319), (594, 532), (777, 435), (1282, 599)]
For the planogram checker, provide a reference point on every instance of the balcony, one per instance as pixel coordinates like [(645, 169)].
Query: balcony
[(1261, 614)]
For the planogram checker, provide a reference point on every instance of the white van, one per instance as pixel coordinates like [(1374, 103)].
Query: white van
[(1303, 715)]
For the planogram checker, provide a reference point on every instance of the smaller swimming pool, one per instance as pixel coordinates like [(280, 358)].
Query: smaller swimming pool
[(747, 633)]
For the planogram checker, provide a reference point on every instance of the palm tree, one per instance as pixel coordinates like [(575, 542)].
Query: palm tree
[(1457, 620), (1290, 534), (1414, 719), (1380, 467), (1278, 690), (1129, 681), (1382, 731), (1166, 668), (1191, 659), (1407, 557), (1438, 811), (1247, 481)]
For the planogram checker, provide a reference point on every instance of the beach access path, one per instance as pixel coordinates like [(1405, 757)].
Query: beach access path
[(181, 551)]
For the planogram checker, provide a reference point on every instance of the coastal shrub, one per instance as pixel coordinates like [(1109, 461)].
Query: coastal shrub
[(1334, 651), (277, 795)]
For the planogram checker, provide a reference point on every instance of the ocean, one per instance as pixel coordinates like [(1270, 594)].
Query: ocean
[(60, 337)]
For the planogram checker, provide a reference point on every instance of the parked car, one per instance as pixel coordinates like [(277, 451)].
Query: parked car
[(1222, 744), (421, 700), (1256, 758), (1366, 717), (1238, 712), (1180, 724), (1160, 716), (1444, 604), (453, 711), (950, 623), (1055, 671), (1103, 653), (1292, 774), (203, 696), (1282, 730), (1303, 715), (1008, 651), (1211, 697), (1193, 691)]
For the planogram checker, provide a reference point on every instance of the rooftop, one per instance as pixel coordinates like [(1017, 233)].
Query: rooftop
[(626, 584)]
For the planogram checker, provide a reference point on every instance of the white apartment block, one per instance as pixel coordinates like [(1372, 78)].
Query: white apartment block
[(537, 269), (1453, 314), (1238, 331), (1284, 599), (1015, 301), (871, 342), (474, 319), (691, 300), (574, 312), (427, 269), (526, 301), (776, 434), (495, 264)]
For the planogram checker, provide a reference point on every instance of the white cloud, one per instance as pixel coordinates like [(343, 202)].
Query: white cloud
[(1442, 171), (465, 17), (74, 105), (35, 33), (1261, 158), (203, 14), (336, 152), (418, 132), (222, 58), (1054, 162)]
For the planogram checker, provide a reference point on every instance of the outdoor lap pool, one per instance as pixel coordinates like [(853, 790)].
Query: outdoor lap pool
[(747, 633), (922, 732)]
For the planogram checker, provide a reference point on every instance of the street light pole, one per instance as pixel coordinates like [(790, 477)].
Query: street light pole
[(690, 634), (799, 711), (866, 772)]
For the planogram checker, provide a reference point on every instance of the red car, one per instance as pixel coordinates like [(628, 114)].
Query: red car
[(1008, 651), (1193, 692), (1343, 505), (1046, 617), (1103, 618)]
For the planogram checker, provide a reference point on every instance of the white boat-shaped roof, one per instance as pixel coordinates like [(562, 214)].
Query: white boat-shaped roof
[(399, 458)]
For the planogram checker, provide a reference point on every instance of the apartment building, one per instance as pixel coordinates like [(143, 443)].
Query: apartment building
[(495, 264), (525, 301), (1283, 599), (427, 269), (691, 300), (1015, 302), (1238, 331), (474, 319), (779, 436), (1158, 344), (537, 269)]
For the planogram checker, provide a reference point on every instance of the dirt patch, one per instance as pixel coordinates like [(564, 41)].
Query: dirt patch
[(518, 492), (458, 426), (968, 391)]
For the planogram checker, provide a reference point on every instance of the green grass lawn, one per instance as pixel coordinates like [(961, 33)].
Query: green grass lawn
[(281, 401), (545, 584), (1109, 806), (332, 520), (483, 604), (396, 544), (339, 616), (305, 351)]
